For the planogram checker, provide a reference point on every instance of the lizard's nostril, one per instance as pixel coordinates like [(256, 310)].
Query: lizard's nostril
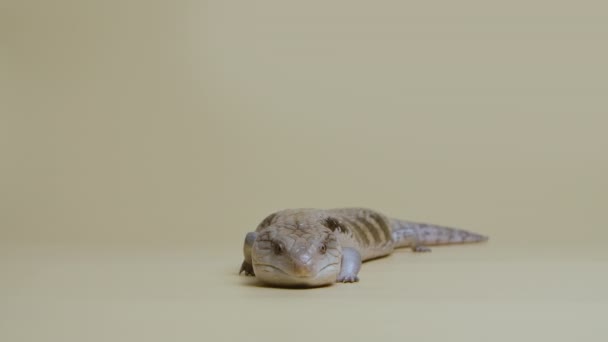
[(304, 258), (302, 255)]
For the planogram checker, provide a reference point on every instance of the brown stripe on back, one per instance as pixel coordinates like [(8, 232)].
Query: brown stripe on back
[(334, 224), (386, 230), (357, 231), (372, 228)]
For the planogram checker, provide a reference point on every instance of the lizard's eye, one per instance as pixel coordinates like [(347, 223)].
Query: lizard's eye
[(323, 248), (277, 248)]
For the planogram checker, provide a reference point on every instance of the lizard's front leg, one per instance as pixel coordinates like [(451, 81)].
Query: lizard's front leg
[(247, 267), (351, 264)]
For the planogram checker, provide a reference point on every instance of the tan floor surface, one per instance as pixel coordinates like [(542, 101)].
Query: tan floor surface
[(474, 293)]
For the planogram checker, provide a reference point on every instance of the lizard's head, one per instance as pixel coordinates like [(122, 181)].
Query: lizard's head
[(284, 256)]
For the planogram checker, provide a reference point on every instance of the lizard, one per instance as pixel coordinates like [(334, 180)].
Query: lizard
[(317, 247)]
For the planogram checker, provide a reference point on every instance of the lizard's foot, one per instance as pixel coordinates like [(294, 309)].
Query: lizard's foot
[(351, 264), (348, 278), (247, 268), (421, 249)]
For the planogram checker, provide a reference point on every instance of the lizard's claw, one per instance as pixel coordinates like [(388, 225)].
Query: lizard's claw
[(421, 249), (247, 268), (347, 279)]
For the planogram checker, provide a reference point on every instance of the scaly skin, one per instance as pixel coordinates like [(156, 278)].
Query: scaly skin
[(314, 247)]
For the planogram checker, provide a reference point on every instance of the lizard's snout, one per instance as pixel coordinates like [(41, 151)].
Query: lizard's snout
[(302, 264), (301, 256)]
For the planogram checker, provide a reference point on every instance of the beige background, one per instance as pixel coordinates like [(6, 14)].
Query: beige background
[(139, 141)]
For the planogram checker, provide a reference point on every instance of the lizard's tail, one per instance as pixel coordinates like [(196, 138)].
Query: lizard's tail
[(412, 234)]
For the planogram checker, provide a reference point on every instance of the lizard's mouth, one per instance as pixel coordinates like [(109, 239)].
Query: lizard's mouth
[(272, 269), (269, 268), (329, 265), (274, 275)]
